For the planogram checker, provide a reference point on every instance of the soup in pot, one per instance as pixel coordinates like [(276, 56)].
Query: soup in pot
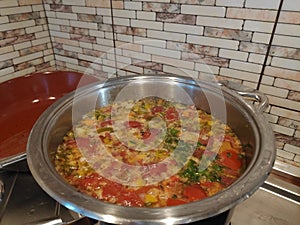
[(150, 153)]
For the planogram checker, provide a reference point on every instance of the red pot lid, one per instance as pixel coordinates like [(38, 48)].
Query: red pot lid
[(22, 101)]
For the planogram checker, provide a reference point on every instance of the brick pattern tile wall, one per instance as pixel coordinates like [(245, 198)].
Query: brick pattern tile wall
[(255, 43), (25, 45), (281, 82)]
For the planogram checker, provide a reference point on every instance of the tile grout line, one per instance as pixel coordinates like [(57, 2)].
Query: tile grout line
[(50, 36), (114, 36), (269, 45)]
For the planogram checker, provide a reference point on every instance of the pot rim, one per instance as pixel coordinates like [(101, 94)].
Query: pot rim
[(46, 176)]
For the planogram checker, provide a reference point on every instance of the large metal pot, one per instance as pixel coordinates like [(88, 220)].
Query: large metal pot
[(231, 106)]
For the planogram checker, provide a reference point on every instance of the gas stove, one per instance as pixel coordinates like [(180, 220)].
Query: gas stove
[(25, 203)]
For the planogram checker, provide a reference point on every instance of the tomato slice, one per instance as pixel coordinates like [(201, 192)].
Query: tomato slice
[(171, 114), (194, 192), (106, 123), (230, 159), (175, 201), (157, 109), (130, 198), (133, 124)]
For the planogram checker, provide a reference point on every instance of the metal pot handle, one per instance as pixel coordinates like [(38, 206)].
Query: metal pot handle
[(248, 93)]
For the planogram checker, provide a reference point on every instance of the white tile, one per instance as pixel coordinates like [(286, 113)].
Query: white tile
[(209, 69), (288, 41), (291, 5), (121, 21), (173, 62), (267, 80), (125, 38), (16, 25), (246, 66), (85, 10), (166, 35), (297, 135), (63, 15), (282, 73), (263, 4), (6, 49), (287, 84), (54, 27), (96, 33), (264, 27), (72, 48), (240, 75), (106, 42), (84, 24), (48, 58), (34, 29), (107, 19), (203, 10), (180, 71), (85, 45), (236, 3), (231, 54), (282, 129), (27, 57), (162, 52), (214, 42), (288, 29), (286, 103), (285, 113), (103, 12), (121, 59), (129, 46), (256, 58), (103, 48), (15, 10), (4, 19), (249, 84), (183, 28), (285, 63), (261, 38), (59, 21), (75, 67), (165, 1), (59, 34), (9, 55), (285, 154), (270, 90), (133, 5), (271, 118), (41, 34), (87, 57), (66, 59), (109, 35), (40, 41), (297, 158), (137, 55), (123, 13), (74, 2), (50, 14), (147, 24), (9, 3), (19, 46), (37, 8), (150, 42), (145, 15), (219, 22), (292, 148), (5, 72)]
